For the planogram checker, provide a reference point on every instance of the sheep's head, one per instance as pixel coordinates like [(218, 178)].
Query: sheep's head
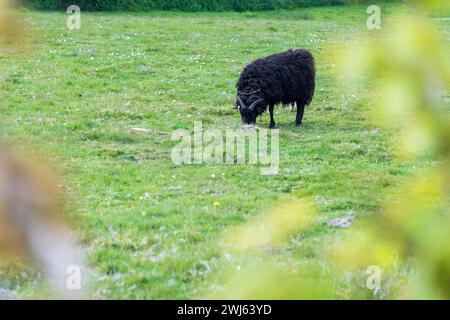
[(250, 108)]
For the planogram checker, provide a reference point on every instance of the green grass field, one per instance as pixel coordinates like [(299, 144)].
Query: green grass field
[(151, 227)]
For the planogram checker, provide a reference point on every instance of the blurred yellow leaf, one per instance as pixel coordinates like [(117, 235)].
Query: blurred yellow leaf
[(268, 282), (363, 248), (271, 228)]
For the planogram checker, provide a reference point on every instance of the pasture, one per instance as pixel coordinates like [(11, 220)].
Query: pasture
[(153, 230)]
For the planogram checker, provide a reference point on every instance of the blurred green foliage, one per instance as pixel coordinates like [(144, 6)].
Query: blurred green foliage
[(181, 5)]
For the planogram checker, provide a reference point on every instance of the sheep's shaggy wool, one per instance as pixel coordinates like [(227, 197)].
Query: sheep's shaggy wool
[(287, 78)]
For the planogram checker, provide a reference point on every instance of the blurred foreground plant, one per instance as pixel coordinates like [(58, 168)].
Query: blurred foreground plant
[(411, 70), (33, 226), (263, 277), (10, 29)]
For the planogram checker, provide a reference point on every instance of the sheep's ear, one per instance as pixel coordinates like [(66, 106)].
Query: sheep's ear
[(241, 104)]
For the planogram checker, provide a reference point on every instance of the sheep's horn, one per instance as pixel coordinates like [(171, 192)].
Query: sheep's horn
[(241, 103), (252, 107)]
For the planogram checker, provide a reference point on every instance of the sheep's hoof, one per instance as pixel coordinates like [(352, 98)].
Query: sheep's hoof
[(298, 124), (272, 126)]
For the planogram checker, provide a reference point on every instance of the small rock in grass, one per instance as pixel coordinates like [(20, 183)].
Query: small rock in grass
[(171, 283), (342, 223), (248, 127), (375, 132)]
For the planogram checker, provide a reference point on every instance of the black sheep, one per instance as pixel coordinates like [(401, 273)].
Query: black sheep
[(287, 78)]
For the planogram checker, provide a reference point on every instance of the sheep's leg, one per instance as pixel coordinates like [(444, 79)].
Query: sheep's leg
[(272, 120), (300, 113)]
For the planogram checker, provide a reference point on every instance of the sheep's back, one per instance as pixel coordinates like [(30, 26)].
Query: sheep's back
[(285, 77)]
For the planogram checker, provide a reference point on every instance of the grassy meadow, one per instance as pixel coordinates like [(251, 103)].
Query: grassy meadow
[(154, 230)]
